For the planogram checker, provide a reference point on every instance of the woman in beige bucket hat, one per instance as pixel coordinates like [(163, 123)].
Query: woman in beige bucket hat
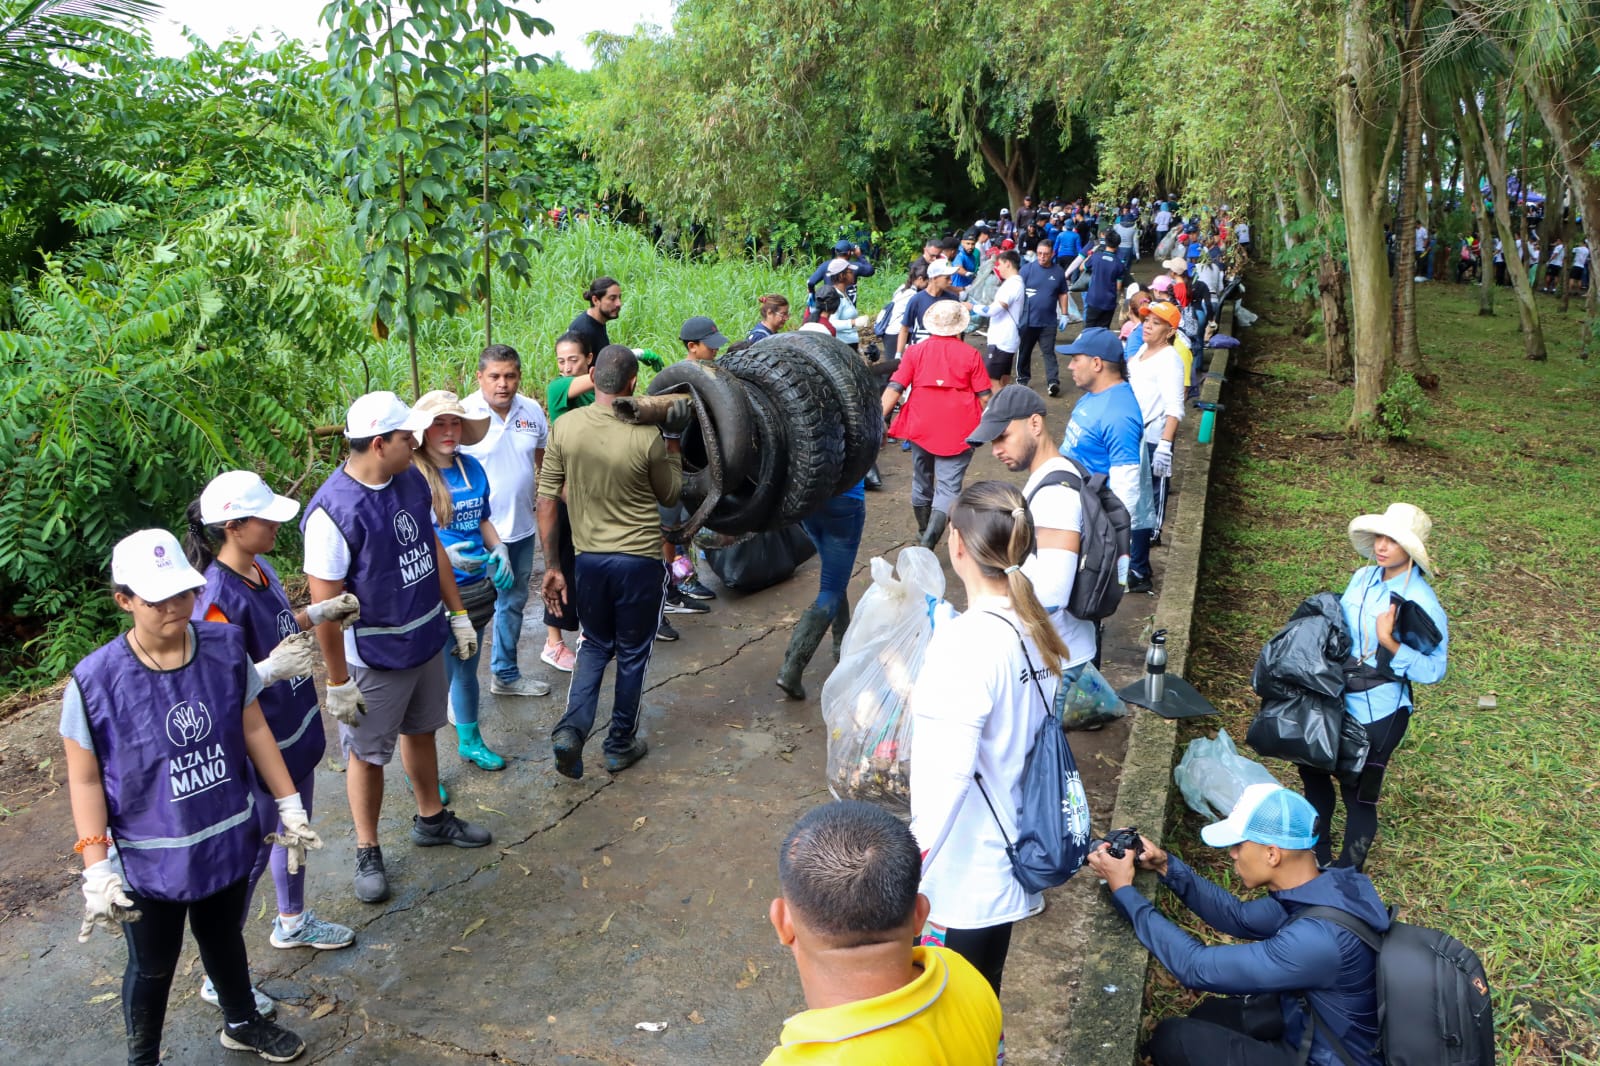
[(1377, 606)]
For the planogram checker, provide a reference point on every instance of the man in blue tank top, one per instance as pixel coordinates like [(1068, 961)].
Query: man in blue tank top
[(369, 530)]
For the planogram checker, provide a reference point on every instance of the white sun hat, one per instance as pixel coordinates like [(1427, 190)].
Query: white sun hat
[(1405, 524)]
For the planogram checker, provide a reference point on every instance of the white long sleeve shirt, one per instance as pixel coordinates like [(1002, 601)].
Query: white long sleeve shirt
[(1157, 380)]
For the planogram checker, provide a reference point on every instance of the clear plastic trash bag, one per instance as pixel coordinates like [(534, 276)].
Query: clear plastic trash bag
[(1212, 775)]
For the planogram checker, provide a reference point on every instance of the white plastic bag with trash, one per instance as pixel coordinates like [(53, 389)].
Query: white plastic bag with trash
[(1169, 243), (864, 699), (1213, 775)]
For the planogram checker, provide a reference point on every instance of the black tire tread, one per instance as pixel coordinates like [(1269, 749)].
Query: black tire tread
[(813, 426), (855, 389)]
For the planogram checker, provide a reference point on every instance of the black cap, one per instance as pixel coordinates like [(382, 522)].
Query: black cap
[(1009, 404), (702, 329)]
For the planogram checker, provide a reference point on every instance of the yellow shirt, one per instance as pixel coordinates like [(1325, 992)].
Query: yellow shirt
[(947, 1016)]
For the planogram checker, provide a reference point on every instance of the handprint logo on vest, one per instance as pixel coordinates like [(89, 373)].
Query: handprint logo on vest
[(188, 723), (405, 528)]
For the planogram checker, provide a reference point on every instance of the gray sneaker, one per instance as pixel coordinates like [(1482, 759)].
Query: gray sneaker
[(522, 686), (313, 933), (372, 883), (449, 830)]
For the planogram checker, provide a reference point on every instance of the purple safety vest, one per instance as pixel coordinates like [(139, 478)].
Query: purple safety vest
[(181, 794), (394, 568), (290, 706)]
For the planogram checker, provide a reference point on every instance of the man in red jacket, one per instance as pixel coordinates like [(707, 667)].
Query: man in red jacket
[(949, 388)]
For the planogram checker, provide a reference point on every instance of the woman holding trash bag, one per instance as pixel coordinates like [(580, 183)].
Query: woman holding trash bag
[(158, 726), (481, 562), (232, 525), (1399, 635), (987, 681)]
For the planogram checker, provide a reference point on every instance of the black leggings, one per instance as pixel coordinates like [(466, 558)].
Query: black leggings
[(154, 944), (1360, 794), (985, 948), (1214, 1035)]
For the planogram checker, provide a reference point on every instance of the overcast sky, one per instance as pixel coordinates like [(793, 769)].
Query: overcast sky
[(216, 20)]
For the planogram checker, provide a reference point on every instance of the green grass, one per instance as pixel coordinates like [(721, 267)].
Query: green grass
[(1488, 820), (659, 291)]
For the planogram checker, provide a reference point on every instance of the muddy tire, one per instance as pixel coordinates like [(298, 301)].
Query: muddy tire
[(808, 418), (855, 388), (724, 397), (751, 506)]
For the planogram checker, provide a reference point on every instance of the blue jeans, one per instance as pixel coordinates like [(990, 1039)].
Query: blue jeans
[(836, 531), (508, 615), (619, 598), (462, 676)]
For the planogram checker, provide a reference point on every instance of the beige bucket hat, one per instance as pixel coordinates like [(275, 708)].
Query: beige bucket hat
[(946, 318), (444, 402), (1405, 524)]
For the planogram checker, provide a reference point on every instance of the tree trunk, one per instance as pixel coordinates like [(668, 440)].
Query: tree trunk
[(1494, 154), (1573, 144), (1468, 150), (488, 226), (1008, 160), (1282, 206), (1335, 326), (1363, 181), (1407, 353)]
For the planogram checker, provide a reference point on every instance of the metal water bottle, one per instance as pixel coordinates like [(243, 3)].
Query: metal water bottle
[(1155, 666)]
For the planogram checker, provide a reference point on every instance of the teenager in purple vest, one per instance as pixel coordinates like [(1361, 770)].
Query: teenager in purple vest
[(369, 531), (231, 526), (167, 749)]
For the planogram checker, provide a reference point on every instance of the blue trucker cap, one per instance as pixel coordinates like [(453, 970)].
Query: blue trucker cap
[(1266, 814)]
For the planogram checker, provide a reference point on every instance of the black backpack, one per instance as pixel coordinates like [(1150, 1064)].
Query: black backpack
[(1433, 996), (1104, 544)]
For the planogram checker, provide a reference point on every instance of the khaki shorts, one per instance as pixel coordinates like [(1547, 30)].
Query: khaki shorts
[(411, 702)]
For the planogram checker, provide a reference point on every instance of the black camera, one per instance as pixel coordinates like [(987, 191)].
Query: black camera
[(1120, 842)]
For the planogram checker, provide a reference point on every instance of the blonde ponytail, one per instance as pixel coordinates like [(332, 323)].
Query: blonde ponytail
[(995, 527), (444, 504)]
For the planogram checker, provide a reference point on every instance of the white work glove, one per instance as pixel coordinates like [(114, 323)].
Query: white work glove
[(466, 636), (105, 903), (1061, 322), (1161, 461), (343, 608), (297, 833), (346, 703), (463, 559), (293, 657)]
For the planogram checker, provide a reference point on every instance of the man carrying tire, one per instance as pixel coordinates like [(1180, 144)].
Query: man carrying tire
[(618, 474), (949, 387)]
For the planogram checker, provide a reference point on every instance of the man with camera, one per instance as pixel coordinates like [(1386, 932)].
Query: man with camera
[(616, 475), (1283, 963)]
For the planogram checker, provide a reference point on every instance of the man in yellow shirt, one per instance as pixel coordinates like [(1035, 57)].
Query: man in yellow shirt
[(850, 911)]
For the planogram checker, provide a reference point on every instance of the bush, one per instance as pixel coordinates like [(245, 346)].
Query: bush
[(1402, 408)]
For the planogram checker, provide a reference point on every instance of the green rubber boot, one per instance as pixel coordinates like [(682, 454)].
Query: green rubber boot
[(808, 633), (470, 746), (841, 622)]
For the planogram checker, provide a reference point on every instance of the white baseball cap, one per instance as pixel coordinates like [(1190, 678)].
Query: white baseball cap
[(378, 413), (242, 494), (151, 563), (941, 268)]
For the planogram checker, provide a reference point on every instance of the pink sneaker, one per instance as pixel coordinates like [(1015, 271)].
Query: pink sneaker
[(560, 656)]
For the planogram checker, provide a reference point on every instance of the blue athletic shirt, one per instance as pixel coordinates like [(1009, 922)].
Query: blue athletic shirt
[(470, 494)]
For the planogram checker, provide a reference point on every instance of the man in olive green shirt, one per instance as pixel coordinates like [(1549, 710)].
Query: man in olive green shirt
[(615, 475)]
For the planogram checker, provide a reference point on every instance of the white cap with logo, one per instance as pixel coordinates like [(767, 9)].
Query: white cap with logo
[(378, 413), (151, 563), (242, 494)]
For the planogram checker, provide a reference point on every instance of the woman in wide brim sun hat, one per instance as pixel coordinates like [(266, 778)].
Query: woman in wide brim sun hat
[(1392, 658)]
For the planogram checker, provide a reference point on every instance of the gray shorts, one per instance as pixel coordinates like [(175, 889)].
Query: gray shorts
[(398, 701)]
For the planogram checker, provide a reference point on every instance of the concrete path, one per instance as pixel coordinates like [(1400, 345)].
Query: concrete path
[(603, 903)]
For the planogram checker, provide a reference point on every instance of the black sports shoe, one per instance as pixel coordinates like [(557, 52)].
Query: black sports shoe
[(272, 1042), (678, 603), (1138, 583), (372, 882), (622, 760), (448, 830), (1054, 389), (567, 744), (664, 631), (691, 588)]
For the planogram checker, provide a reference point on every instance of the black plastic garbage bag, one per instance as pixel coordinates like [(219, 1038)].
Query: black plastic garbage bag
[(762, 560), (1310, 730), (1307, 654)]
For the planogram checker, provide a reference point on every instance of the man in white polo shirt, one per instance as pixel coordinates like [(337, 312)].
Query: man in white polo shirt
[(511, 453)]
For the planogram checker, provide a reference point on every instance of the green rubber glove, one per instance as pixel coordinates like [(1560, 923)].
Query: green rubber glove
[(649, 358)]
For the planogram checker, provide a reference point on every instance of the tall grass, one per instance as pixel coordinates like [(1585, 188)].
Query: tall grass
[(660, 289)]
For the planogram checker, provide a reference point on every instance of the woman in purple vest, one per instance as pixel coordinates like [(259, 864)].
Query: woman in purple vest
[(165, 741), (482, 565), (231, 526)]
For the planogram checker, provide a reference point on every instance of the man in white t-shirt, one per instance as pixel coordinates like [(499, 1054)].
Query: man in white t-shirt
[(1005, 315), (1014, 424), (1419, 246), (511, 453), (1578, 280)]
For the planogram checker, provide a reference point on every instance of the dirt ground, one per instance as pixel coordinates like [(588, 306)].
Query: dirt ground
[(603, 903)]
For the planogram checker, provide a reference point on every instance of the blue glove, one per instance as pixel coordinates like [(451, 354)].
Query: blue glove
[(1061, 322), (500, 569)]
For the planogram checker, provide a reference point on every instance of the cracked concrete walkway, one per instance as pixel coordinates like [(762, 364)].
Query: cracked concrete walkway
[(603, 902)]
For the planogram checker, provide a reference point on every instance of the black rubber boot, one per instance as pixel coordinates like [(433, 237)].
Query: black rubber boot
[(841, 622), (808, 633), (936, 524), (873, 480), (922, 514)]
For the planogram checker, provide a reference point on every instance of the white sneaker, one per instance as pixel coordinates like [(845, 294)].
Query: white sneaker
[(522, 686), (264, 1004), (449, 710)]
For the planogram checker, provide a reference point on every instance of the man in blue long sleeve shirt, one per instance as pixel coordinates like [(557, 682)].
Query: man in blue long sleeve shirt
[(859, 264), (1270, 835)]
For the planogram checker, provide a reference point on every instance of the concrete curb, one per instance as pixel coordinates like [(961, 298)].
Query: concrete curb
[(1110, 996)]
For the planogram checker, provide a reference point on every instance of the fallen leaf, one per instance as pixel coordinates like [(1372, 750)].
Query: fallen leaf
[(751, 972), (458, 947), (735, 725), (638, 823), (45, 765), (748, 885), (104, 997), (491, 810), (605, 860), (694, 1016), (711, 898), (104, 979), (586, 881), (380, 947), (322, 1011), (473, 928), (261, 911), (607, 923), (525, 871)]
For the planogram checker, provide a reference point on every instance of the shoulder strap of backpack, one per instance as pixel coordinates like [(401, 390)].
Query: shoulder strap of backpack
[(1054, 477), (1369, 936)]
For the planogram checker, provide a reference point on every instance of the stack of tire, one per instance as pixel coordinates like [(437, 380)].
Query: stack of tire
[(797, 420)]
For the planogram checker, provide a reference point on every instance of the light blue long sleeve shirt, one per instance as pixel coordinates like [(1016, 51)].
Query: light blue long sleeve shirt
[(1363, 601)]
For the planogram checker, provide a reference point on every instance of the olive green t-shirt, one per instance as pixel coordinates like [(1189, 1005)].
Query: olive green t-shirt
[(615, 475)]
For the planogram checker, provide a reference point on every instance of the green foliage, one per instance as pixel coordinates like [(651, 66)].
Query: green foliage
[(1297, 266), (1401, 408)]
